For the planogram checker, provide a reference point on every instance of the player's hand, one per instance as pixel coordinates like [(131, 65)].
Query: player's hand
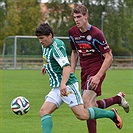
[(93, 82), (63, 90), (43, 70)]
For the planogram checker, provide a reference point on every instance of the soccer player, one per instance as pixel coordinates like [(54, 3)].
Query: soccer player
[(90, 46), (63, 83)]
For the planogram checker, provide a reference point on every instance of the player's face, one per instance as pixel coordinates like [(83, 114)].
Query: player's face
[(80, 19), (45, 40)]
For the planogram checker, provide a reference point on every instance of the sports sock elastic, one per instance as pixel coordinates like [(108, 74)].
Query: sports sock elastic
[(47, 123), (96, 113), (104, 103)]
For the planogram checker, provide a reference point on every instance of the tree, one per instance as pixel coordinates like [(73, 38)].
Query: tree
[(117, 23), (21, 18), (117, 28), (2, 22)]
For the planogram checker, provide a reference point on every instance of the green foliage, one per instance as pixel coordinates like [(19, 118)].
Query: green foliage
[(2, 22), (60, 20), (118, 27), (22, 17)]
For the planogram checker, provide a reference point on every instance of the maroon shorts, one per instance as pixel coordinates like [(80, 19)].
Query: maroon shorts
[(85, 75)]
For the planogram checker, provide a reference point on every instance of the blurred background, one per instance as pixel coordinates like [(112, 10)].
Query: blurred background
[(18, 20)]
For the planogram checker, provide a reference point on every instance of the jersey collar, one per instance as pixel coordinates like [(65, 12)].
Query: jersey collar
[(89, 27)]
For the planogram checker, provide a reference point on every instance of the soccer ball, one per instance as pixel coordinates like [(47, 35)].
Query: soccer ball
[(20, 105)]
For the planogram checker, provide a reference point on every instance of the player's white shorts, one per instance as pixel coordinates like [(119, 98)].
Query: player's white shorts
[(74, 97)]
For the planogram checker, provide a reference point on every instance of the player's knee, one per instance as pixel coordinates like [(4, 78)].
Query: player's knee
[(80, 117), (83, 115), (89, 99)]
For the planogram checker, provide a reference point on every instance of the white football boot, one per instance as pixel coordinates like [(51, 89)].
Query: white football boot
[(123, 103)]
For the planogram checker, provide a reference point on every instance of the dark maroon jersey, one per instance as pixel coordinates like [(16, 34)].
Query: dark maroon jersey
[(90, 45)]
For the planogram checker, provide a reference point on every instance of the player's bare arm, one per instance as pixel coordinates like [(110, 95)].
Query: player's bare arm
[(74, 60), (106, 63), (65, 77), (94, 80)]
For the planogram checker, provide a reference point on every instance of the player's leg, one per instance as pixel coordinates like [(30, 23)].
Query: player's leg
[(97, 113), (74, 100), (46, 118), (81, 111), (89, 98), (52, 102), (104, 103), (91, 124), (118, 99)]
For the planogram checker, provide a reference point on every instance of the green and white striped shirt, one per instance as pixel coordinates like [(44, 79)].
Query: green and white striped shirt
[(55, 58)]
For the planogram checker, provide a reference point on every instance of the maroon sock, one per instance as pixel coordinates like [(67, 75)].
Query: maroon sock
[(104, 103), (91, 124)]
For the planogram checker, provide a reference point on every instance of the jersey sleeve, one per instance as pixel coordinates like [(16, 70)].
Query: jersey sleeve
[(102, 43), (60, 55)]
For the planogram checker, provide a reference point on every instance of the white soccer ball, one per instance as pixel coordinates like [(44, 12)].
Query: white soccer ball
[(20, 105)]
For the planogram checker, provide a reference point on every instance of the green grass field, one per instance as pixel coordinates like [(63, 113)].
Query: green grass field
[(34, 86)]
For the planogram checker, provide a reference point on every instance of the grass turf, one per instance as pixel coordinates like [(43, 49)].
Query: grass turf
[(32, 85)]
